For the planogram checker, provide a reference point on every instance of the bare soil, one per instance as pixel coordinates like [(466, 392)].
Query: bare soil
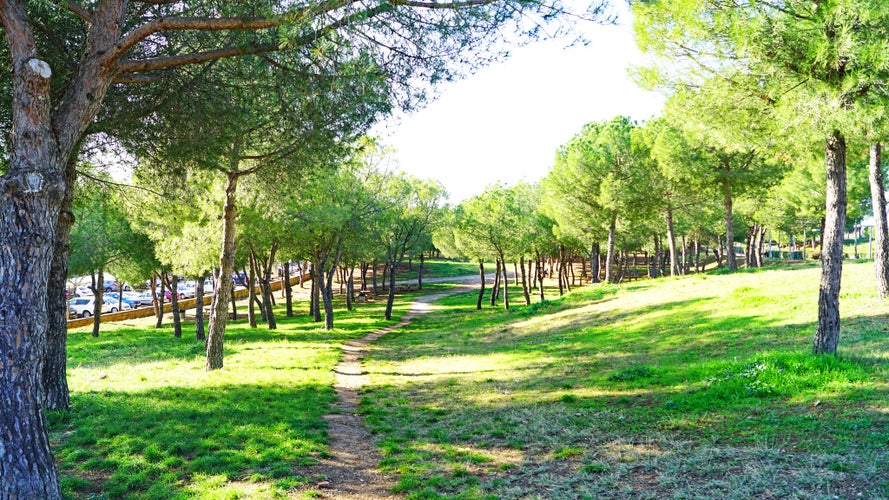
[(352, 469)]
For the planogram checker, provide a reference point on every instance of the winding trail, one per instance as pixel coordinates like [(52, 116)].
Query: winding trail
[(352, 470)]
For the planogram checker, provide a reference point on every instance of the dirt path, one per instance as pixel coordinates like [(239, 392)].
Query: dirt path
[(351, 472)]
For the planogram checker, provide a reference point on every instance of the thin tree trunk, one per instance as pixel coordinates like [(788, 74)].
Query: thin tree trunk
[(525, 290), (671, 242), (539, 276), (199, 332), (420, 272), (223, 291), (505, 283), (561, 269), (495, 288), (880, 232), (159, 299), (288, 291), (609, 259), (350, 286), (316, 291), (98, 292), (251, 292), (594, 263), (827, 335), (373, 276), (481, 290), (390, 300), (174, 304)]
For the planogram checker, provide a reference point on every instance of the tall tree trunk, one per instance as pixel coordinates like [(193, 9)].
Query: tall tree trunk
[(525, 283), (265, 284), (373, 277), (880, 232), (173, 285), (54, 378), (671, 242), (199, 332), (363, 268), (609, 258), (481, 290), (827, 335), (288, 291), (251, 292), (540, 276), (159, 299), (594, 262), (420, 272), (316, 292), (390, 300), (729, 227), (350, 285), (505, 282), (99, 292), (561, 269), (223, 291), (495, 288)]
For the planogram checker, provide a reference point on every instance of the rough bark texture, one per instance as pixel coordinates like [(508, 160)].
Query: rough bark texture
[(609, 258), (222, 292), (173, 285), (671, 241), (55, 381), (594, 263), (390, 300), (251, 293), (880, 232), (288, 291), (827, 334), (525, 285), (99, 291), (481, 290), (505, 282), (495, 287), (199, 331)]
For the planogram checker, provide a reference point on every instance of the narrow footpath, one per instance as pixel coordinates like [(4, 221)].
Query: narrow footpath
[(351, 472)]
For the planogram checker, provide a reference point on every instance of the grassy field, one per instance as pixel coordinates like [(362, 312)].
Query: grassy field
[(699, 387), (440, 268), (148, 422)]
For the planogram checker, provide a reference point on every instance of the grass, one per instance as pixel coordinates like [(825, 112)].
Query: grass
[(697, 387), (148, 422), (440, 268)]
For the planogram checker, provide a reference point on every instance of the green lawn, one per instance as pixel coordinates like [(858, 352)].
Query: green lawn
[(699, 387), (148, 422), (440, 268)]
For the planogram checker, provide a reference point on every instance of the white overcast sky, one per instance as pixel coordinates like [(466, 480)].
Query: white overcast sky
[(504, 123)]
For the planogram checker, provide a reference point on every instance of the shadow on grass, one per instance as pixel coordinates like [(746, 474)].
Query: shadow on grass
[(163, 443)]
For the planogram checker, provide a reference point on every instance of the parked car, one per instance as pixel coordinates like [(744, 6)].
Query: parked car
[(83, 291), (83, 307), (129, 300), (186, 291), (145, 298)]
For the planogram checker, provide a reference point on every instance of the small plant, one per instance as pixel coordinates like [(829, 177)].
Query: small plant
[(631, 374)]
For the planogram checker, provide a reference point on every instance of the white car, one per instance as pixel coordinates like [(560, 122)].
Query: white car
[(83, 307)]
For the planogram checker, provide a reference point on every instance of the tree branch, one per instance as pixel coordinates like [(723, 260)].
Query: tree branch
[(158, 63), (77, 9), (191, 23)]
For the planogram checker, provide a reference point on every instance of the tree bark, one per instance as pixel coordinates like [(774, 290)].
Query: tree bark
[(199, 332), (251, 291), (495, 288), (288, 291), (505, 282), (481, 290), (223, 291), (420, 272), (671, 241), (390, 300), (525, 284), (880, 232), (594, 263), (158, 299), (540, 276), (827, 334), (99, 292), (609, 258), (350, 284), (173, 285)]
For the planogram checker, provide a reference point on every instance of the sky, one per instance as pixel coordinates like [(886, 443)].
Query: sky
[(505, 122)]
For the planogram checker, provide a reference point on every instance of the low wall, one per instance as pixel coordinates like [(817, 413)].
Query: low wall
[(144, 312)]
